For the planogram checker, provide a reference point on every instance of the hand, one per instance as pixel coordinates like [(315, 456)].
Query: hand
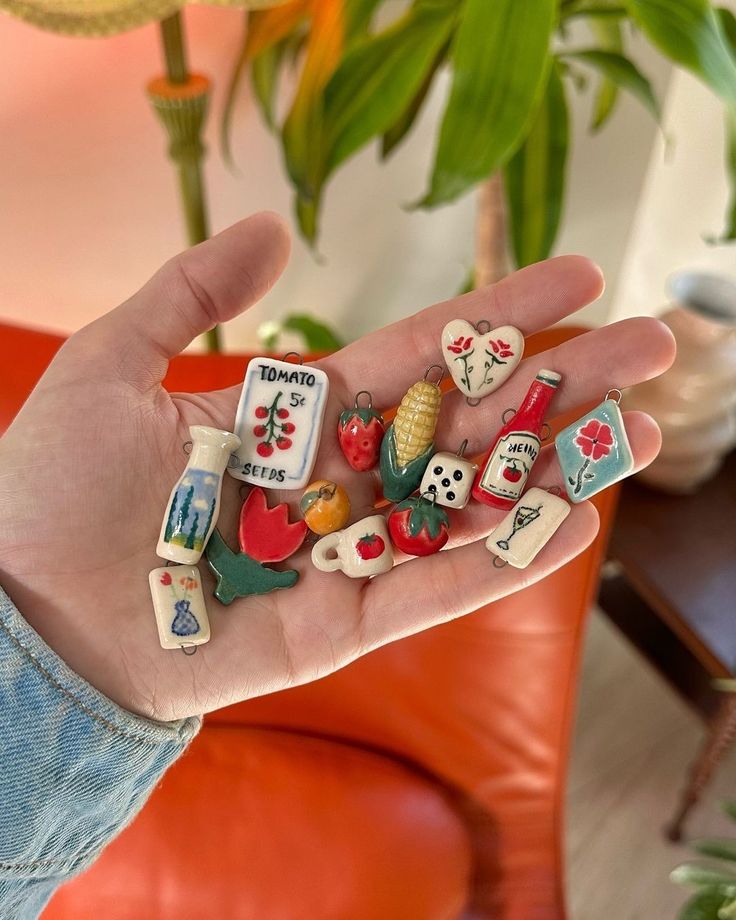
[(87, 466)]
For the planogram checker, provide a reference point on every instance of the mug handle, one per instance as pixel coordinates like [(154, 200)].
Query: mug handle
[(322, 547)]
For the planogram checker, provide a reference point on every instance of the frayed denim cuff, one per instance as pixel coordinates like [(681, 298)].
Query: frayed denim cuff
[(74, 767)]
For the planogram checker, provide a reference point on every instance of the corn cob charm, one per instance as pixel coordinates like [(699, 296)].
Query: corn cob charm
[(409, 442)]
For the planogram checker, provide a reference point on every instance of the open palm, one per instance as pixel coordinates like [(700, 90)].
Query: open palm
[(87, 466)]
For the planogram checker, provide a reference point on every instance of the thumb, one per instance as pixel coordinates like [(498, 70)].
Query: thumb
[(191, 293)]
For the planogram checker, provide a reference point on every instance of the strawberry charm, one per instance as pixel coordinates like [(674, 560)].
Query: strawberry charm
[(360, 432), (418, 526)]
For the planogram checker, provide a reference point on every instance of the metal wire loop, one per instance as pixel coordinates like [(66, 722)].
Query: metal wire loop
[(463, 447), (498, 562), (619, 395), (189, 650), (544, 435), (187, 447), (431, 493), (233, 462), (327, 490), (363, 393), (555, 490), (482, 326), (298, 355), (472, 401), (431, 368), (506, 413)]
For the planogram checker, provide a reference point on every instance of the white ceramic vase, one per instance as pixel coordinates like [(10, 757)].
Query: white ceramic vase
[(694, 402)]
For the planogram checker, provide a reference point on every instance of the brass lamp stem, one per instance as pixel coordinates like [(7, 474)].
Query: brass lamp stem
[(180, 101)]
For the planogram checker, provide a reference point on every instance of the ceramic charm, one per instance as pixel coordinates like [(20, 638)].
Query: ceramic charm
[(594, 452), (506, 466), (528, 527), (325, 506), (450, 478), (279, 421), (361, 550), (194, 503), (178, 602), (264, 535), (360, 432), (409, 442), (418, 526), (480, 359)]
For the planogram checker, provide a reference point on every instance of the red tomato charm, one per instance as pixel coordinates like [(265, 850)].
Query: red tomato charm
[(360, 432), (418, 527)]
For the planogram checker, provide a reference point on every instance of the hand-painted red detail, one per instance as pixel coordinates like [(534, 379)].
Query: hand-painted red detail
[(264, 533), (595, 439)]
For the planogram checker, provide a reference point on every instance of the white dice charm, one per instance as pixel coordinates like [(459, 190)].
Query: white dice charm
[(279, 422), (528, 527), (178, 602), (450, 477)]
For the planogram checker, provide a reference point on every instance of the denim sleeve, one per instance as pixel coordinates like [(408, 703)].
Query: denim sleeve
[(74, 767)]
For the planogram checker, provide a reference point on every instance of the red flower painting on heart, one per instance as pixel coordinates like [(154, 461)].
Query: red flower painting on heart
[(460, 345), (594, 441), (501, 348)]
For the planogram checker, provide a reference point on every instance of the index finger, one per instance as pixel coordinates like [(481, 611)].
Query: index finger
[(389, 361)]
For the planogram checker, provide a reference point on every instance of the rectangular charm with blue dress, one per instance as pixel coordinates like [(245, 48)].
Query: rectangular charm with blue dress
[(594, 451)]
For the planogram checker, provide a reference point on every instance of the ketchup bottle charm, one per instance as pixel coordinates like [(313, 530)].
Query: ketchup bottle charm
[(506, 466)]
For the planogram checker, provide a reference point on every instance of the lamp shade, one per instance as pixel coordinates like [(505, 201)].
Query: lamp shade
[(103, 17)]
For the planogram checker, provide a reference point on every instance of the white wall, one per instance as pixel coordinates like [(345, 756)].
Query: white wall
[(88, 203)]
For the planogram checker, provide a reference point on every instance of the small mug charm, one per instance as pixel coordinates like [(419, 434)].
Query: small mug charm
[(360, 432), (480, 359), (449, 477), (360, 550), (594, 452), (279, 421), (325, 506), (409, 442), (178, 602), (194, 503), (264, 535), (527, 528), (418, 526)]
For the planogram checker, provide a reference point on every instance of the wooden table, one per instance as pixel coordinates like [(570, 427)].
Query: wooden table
[(672, 591)]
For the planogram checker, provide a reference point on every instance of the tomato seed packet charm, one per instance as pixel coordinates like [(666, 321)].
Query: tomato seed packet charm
[(194, 503), (418, 526), (178, 602), (360, 432), (480, 359), (527, 528), (506, 466), (594, 451), (449, 477), (409, 442), (325, 506), (361, 550), (279, 422), (264, 535)]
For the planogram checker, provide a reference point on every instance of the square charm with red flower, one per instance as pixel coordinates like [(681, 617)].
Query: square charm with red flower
[(594, 452)]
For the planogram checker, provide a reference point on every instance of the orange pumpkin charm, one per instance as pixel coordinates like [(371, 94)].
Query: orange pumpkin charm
[(325, 506)]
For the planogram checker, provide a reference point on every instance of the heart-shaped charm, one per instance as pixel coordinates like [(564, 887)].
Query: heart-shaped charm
[(480, 359)]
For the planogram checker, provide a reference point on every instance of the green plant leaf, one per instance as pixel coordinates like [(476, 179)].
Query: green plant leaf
[(722, 848), (729, 808), (697, 874), (535, 177), (500, 58), (405, 122), (358, 16), (378, 79), (621, 71), (728, 23), (317, 336), (690, 33), (704, 905), (609, 36), (264, 75)]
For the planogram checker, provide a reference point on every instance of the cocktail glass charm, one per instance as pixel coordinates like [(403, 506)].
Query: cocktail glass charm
[(527, 528)]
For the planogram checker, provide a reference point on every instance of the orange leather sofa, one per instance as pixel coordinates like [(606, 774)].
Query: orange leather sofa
[(424, 782)]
